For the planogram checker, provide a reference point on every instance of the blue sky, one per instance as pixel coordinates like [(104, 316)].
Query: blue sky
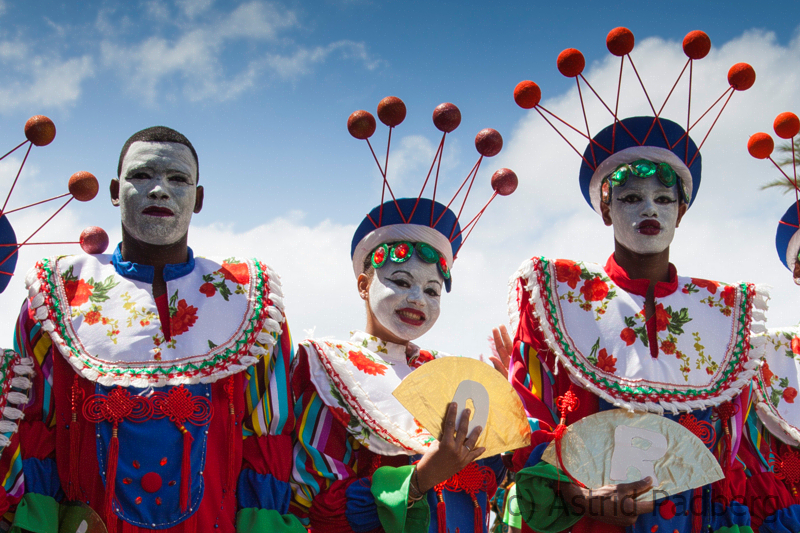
[(263, 90)]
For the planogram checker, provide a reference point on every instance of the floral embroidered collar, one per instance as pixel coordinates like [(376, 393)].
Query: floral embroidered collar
[(388, 351), (145, 273), (356, 378), (640, 286), (223, 316), (703, 350)]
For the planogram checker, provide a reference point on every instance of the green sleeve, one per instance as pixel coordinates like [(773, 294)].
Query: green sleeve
[(734, 529), (541, 508), (36, 513), (252, 519), (390, 490), (511, 514)]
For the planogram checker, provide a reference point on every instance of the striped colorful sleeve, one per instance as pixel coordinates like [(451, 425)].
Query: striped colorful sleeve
[(263, 490), (31, 441)]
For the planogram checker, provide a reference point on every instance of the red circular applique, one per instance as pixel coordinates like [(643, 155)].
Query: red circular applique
[(151, 482), (667, 510)]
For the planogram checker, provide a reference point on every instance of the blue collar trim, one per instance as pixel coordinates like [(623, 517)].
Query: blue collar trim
[(144, 273)]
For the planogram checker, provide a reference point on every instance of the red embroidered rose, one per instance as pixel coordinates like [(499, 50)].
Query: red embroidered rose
[(767, 373), (789, 394), (668, 347), (605, 362), (92, 317), (423, 357), (628, 335), (709, 371), (78, 292), (796, 345), (208, 289), (568, 272), (662, 318), (185, 316), (711, 286), (729, 295), (594, 290), (235, 272), (366, 365)]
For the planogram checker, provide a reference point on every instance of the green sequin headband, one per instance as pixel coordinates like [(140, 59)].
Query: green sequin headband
[(400, 252), (642, 168)]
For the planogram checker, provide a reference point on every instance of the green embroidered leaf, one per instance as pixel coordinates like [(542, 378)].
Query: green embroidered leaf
[(629, 321), (775, 397), (784, 382), (101, 288), (593, 353), (642, 334), (611, 294), (68, 275), (223, 289), (173, 302), (211, 345), (208, 278)]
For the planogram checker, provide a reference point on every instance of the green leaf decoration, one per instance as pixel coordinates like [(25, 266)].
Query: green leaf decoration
[(211, 345)]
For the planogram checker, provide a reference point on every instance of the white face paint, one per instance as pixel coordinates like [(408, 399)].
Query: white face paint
[(157, 191), (404, 297), (644, 213)]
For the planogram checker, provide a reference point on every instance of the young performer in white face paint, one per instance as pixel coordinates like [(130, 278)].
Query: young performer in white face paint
[(633, 333), (770, 449), (363, 463)]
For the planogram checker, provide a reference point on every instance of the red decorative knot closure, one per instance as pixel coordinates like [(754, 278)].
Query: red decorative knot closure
[(567, 403), (119, 404), (725, 412), (181, 406), (701, 429), (787, 467)]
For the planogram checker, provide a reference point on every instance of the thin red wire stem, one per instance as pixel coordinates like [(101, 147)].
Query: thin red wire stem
[(473, 221), (785, 175), (37, 203), (5, 204), (585, 118), (696, 122), (567, 124), (789, 224), (387, 186), (474, 170), (38, 243), (565, 139), (689, 108), (464, 202), (616, 120), (37, 230), (616, 104), (650, 102), (673, 87), (14, 149), (430, 170), (436, 185), (6, 273), (709, 129)]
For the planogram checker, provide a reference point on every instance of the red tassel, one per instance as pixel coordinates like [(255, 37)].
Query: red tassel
[(76, 395), (231, 433), (186, 464), (111, 476), (441, 513), (478, 527), (566, 404)]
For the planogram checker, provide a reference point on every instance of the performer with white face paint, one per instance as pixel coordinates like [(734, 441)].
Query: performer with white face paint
[(632, 333), (162, 378), (362, 461)]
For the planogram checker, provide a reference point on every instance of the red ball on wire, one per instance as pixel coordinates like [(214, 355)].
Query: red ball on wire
[(620, 41), (391, 111), (696, 44), (786, 125), (40, 130), (504, 181), (446, 117), (83, 186), (570, 62), (94, 240), (760, 145), (488, 142), (361, 124), (741, 76), (527, 94)]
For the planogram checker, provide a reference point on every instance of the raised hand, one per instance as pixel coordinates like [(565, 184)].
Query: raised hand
[(451, 453), (504, 346)]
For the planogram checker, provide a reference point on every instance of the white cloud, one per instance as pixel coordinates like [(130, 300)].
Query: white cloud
[(195, 60), (41, 80)]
